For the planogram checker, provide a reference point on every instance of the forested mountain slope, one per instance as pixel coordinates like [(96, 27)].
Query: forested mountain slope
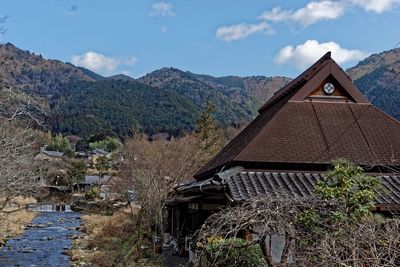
[(373, 75), (73, 100)]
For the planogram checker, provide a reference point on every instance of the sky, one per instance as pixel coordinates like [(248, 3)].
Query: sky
[(215, 37)]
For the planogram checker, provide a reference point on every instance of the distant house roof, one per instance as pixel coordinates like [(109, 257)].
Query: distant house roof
[(100, 151), (56, 154), (302, 126), (246, 185), (95, 179)]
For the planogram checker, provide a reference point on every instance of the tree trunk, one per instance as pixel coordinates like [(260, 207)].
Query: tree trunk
[(286, 250), (266, 251)]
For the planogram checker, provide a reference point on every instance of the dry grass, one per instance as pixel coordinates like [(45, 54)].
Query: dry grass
[(13, 219), (92, 226), (109, 241), (20, 201)]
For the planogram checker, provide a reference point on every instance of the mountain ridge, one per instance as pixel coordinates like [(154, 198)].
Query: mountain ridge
[(75, 100)]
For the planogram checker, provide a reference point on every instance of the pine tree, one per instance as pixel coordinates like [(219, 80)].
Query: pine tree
[(209, 136)]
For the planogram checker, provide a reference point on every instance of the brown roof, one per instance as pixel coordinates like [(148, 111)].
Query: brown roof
[(302, 125)]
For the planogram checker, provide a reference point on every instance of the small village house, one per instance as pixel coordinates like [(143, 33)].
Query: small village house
[(316, 118), (91, 181), (48, 155)]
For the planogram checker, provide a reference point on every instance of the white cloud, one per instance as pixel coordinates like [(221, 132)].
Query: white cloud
[(242, 30), (377, 6), (162, 9), (101, 63), (311, 13), (303, 55), (164, 28), (315, 11)]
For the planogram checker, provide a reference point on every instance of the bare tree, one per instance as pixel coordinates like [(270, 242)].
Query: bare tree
[(18, 171), (152, 169), (308, 241), (335, 227)]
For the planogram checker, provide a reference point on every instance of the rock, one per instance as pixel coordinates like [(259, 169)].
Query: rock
[(27, 250), (30, 225), (75, 237)]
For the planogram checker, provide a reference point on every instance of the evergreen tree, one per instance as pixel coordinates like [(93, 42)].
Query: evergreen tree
[(77, 170), (60, 143), (209, 137)]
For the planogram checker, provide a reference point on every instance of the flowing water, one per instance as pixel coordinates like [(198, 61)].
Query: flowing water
[(45, 240)]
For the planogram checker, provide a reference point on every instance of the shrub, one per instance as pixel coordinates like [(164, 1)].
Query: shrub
[(109, 144), (92, 194), (233, 252)]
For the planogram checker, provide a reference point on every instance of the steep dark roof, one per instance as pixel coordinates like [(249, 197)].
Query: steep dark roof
[(246, 185), (298, 126)]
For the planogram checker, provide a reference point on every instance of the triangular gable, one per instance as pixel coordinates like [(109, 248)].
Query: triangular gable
[(296, 83), (294, 130), (337, 93), (330, 73)]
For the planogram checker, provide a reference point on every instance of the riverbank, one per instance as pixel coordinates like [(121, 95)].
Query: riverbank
[(112, 241), (14, 218)]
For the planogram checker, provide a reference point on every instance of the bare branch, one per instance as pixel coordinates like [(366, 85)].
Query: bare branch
[(3, 21), (18, 174), (369, 241)]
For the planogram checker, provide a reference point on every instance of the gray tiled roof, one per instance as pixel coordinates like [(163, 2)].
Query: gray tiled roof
[(95, 179), (247, 185), (53, 153)]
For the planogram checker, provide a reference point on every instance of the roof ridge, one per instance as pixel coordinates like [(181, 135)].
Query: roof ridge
[(304, 76), (289, 132)]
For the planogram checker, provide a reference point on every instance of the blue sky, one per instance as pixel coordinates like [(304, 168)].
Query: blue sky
[(235, 37)]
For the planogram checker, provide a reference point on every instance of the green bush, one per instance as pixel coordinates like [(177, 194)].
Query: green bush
[(109, 144), (60, 143), (92, 194), (233, 252)]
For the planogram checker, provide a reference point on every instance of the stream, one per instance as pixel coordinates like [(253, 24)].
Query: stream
[(45, 240)]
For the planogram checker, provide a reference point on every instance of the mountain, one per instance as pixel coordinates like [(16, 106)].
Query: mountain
[(373, 75), (118, 106), (236, 99), (91, 74), (74, 100), (28, 82), (260, 88), (35, 75), (121, 77)]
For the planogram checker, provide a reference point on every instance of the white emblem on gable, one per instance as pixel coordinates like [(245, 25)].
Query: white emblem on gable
[(329, 88)]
